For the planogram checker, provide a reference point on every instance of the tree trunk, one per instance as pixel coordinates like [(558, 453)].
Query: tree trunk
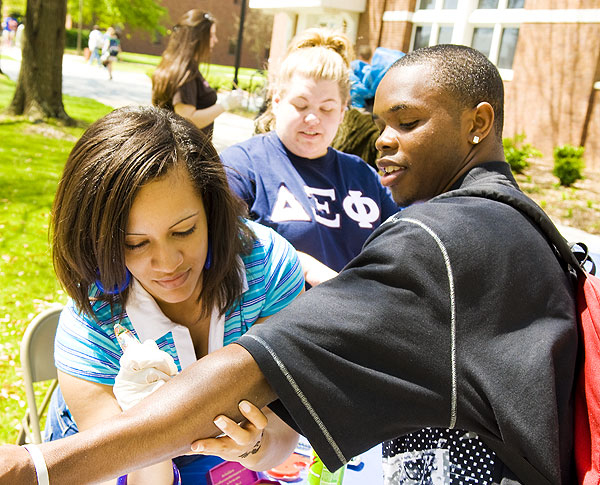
[(39, 88)]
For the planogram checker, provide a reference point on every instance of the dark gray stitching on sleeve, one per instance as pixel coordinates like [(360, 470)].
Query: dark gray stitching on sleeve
[(302, 397)]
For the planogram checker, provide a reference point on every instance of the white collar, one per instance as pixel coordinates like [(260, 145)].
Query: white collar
[(150, 322)]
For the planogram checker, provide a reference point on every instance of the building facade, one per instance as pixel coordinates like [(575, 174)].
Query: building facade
[(547, 51), (257, 32)]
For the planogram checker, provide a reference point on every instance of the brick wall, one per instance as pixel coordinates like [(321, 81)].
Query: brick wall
[(549, 98), (396, 35), (373, 31), (369, 24), (226, 12)]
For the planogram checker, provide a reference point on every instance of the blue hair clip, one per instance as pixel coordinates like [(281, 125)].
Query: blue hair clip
[(117, 288), (208, 261)]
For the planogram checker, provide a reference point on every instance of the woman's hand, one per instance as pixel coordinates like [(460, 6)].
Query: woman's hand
[(144, 368), (241, 441), (253, 444)]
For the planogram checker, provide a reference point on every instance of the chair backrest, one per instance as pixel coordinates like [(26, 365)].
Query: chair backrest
[(37, 363)]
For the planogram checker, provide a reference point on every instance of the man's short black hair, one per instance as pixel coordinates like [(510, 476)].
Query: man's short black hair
[(465, 73)]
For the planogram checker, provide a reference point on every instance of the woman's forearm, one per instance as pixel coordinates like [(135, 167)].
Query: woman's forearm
[(315, 272), (157, 474), (200, 117), (204, 117)]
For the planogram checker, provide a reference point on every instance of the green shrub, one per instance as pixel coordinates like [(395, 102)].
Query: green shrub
[(71, 38), (568, 164), (517, 153)]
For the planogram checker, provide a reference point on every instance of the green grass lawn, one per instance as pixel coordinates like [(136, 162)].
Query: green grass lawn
[(31, 160)]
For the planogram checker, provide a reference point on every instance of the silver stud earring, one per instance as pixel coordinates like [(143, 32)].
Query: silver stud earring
[(475, 140)]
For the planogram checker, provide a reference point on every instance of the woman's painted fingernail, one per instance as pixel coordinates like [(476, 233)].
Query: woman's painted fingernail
[(219, 422), (245, 407), (197, 447)]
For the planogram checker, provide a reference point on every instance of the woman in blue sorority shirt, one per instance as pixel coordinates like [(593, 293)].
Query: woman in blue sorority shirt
[(147, 234), (325, 202)]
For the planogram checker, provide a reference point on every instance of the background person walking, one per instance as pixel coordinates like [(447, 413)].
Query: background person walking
[(110, 49), (95, 44)]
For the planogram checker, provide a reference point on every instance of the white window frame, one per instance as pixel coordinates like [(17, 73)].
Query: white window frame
[(464, 19)]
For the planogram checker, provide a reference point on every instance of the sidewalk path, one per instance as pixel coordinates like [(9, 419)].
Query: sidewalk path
[(126, 88), (592, 241)]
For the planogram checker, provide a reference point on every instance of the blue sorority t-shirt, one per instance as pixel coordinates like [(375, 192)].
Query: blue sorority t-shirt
[(326, 207)]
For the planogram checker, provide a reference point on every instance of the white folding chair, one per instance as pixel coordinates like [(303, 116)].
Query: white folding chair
[(37, 364)]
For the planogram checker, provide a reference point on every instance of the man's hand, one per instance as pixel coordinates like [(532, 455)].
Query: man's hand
[(144, 368)]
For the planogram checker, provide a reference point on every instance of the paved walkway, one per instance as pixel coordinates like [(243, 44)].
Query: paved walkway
[(126, 88)]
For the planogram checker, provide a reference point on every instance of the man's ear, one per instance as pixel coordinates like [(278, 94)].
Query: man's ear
[(482, 122)]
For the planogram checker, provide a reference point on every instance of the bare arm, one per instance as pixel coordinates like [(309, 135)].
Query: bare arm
[(262, 442), (200, 117), (315, 272), (162, 426), (90, 404)]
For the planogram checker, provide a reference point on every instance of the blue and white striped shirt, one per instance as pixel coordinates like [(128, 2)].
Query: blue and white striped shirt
[(89, 350)]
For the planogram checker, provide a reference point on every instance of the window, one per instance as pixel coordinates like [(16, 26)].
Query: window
[(422, 34), (445, 35), (426, 4), (486, 25), (488, 4), (482, 39), (508, 44)]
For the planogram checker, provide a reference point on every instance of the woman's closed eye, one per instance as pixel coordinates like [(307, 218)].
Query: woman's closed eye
[(190, 231), (132, 246)]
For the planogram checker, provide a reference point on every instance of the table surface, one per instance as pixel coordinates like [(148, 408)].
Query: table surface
[(371, 473)]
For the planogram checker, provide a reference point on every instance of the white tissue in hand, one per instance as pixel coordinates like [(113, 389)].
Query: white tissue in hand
[(144, 368), (232, 100)]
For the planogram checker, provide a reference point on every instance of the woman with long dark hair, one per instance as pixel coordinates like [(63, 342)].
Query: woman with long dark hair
[(177, 83)]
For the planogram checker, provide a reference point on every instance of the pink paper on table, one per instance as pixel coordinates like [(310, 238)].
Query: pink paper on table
[(232, 473)]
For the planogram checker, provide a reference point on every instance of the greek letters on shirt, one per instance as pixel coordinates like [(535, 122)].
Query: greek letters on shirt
[(356, 206)]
